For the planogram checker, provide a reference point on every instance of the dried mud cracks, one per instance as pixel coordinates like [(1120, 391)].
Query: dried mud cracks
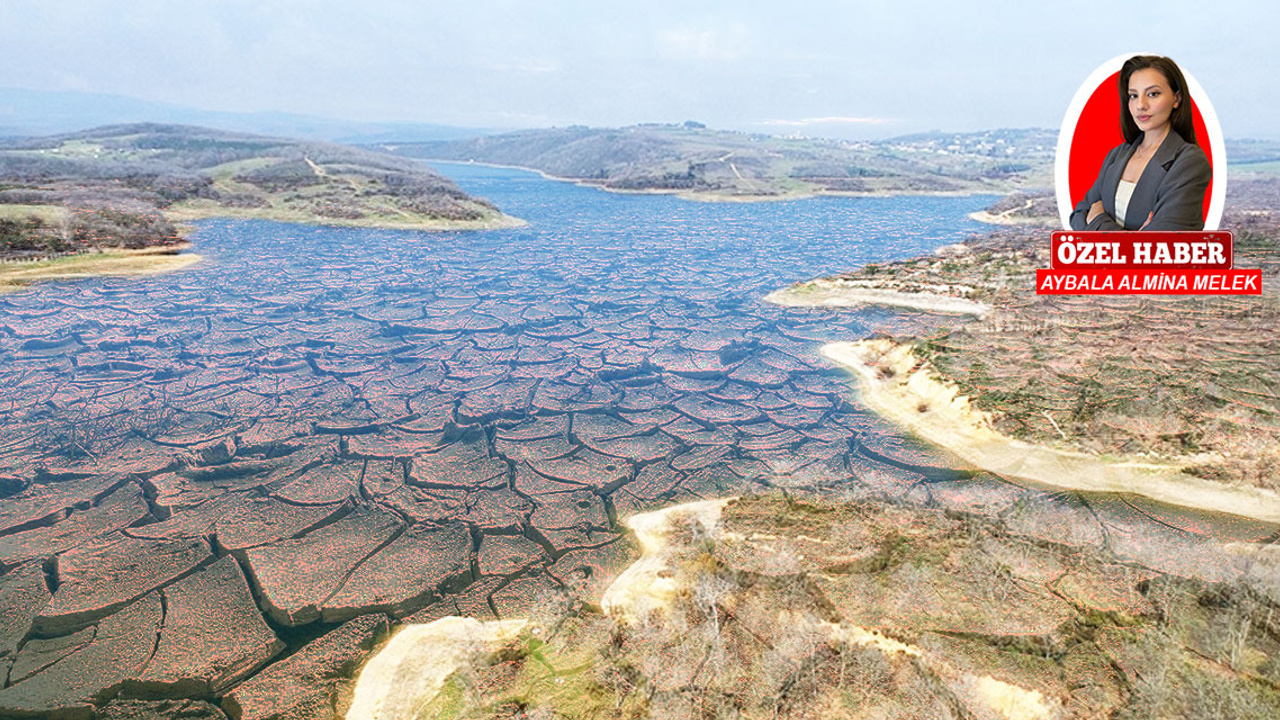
[(222, 488)]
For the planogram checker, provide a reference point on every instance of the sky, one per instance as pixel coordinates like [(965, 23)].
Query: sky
[(841, 69)]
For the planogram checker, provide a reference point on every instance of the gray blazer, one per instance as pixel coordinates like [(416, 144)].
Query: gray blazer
[(1172, 187)]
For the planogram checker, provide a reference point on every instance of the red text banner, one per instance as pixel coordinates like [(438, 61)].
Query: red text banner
[(1141, 250), (1149, 282)]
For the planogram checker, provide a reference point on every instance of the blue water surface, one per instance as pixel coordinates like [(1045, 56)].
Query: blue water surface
[(616, 350)]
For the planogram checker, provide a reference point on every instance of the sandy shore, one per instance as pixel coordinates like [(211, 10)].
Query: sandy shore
[(896, 385), (823, 293), (1008, 218), (983, 216), (147, 261)]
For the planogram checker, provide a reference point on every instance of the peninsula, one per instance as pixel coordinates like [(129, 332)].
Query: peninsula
[(1174, 397), (695, 162), (113, 199), (770, 608)]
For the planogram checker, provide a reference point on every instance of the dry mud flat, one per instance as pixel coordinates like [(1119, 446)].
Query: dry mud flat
[(353, 441), (376, 432), (774, 608)]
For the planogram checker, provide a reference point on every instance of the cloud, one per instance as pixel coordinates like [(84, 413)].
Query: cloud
[(525, 118), (528, 67), (730, 42)]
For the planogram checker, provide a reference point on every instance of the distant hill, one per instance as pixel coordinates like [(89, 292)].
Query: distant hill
[(124, 186), (41, 112), (699, 162)]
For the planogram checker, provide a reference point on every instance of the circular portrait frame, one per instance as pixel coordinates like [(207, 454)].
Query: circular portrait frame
[(1073, 133)]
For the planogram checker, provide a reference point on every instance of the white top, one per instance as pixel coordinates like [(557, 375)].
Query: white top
[(1124, 191)]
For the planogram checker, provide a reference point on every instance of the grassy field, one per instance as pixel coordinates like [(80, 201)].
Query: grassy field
[(374, 216), (16, 276), (702, 164), (19, 212), (124, 186)]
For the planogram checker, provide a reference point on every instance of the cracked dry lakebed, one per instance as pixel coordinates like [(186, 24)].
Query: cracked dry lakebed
[(222, 487)]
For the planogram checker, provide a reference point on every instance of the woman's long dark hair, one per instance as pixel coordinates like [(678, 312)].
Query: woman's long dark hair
[(1179, 119)]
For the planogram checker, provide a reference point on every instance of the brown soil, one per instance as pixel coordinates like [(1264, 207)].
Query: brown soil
[(1181, 379)]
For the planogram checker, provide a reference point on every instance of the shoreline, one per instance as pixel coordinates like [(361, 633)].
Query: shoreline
[(982, 615), (717, 197), (190, 214), (820, 293), (1004, 220), (103, 263), (900, 388), (1008, 219), (157, 259)]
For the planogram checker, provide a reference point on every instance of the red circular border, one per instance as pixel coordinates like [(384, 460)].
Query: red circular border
[(1098, 130)]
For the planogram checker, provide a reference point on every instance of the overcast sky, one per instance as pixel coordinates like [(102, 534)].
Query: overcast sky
[(851, 69)]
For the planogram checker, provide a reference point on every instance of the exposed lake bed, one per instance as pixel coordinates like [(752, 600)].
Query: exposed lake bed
[(329, 407)]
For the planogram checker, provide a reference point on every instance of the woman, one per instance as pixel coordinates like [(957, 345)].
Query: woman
[(1156, 180)]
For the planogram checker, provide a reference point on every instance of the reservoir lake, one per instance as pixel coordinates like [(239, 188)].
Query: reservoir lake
[(321, 423)]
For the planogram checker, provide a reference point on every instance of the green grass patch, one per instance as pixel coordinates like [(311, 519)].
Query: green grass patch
[(227, 170), (50, 214)]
